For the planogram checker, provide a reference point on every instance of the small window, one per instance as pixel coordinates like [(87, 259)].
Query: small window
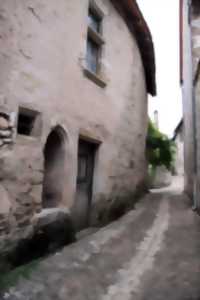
[(29, 122), (94, 41)]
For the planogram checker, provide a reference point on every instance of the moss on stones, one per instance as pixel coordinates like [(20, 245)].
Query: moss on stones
[(11, 278)]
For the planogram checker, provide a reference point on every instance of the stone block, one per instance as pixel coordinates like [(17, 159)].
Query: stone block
[(8, 141), (37, 178), (5, 133), (50, 230), (36, 193), (5, 206), (24, 222), (48, 216), (22, 214), (12, 120), (24, 199), (4, 124)]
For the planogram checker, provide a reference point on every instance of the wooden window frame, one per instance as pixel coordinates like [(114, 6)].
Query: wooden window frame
[(97, 38)]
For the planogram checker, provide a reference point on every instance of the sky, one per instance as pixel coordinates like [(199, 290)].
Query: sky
[(162, 18)]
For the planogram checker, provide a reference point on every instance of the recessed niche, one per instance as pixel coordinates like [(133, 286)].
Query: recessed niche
[(29, 122)]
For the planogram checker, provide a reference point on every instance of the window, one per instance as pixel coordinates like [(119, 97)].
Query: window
[(29, 122), (94, 41), (94, 21), (92, 55)]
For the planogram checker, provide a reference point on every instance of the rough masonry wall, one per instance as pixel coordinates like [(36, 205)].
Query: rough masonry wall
[(42, 55)]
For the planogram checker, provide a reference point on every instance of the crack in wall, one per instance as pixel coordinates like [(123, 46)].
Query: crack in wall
[(32, 10), (24, 54)]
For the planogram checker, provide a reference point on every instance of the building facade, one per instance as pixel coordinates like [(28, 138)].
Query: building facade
[(190, 65), (74, 81)]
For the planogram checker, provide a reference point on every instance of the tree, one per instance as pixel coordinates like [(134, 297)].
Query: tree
[(160, 149)]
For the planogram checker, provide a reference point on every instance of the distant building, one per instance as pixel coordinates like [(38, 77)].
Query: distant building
[(156, 118)]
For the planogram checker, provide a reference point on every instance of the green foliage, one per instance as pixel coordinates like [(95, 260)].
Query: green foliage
[(160, 149)]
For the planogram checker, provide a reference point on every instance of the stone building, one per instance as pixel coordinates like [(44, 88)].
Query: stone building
[(74, 81), (190, 66)]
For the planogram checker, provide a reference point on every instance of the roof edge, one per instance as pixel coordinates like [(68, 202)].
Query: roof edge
[(136, 23)]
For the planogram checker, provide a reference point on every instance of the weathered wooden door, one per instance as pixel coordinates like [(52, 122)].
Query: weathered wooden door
[(86, 155)]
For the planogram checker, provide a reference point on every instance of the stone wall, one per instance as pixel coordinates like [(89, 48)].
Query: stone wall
[(195, 28), (42, 59), (7, 132), (18, 204), (188, 112)]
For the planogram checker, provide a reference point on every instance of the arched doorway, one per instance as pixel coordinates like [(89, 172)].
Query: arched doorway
[(54, 168)]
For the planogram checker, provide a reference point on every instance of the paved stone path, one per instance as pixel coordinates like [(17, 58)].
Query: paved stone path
[(152, 253)]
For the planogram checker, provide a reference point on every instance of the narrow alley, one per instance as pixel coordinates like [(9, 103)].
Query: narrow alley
[(150, 253), (100, 150)]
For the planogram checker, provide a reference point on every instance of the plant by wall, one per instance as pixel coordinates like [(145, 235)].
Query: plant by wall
[(160, 149)]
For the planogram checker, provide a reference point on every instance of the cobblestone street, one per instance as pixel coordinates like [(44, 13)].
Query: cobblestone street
[(151, 253)]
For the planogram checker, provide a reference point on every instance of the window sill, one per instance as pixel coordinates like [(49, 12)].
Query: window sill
[(20, 138), (95, 78)]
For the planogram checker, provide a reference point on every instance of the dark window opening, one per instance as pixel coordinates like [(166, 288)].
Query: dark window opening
[(93, 52), (29, 122), (94, 21)]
